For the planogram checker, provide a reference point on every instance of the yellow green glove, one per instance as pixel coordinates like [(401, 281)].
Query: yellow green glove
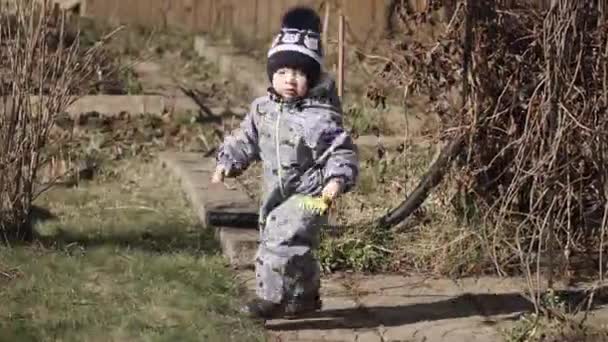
[(316, 205)]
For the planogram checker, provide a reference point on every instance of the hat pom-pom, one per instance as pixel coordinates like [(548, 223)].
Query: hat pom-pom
[(302, 18)]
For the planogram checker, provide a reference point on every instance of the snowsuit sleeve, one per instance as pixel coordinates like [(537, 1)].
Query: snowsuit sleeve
[(240, 148), (342, 160)]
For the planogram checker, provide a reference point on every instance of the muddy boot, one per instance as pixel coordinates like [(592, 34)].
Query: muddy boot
[(302, 307), (262, 309)]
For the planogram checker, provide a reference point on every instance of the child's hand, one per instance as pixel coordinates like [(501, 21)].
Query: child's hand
[(219, 175), (332, 190), (320, 205)]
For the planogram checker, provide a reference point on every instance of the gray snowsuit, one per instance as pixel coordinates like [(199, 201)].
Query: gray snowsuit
[(302, 145)]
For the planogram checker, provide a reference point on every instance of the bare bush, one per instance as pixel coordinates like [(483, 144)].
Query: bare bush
[(42, 72), (534, 119), (536, 152)]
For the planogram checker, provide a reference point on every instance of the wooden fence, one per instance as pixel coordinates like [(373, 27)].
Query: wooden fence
[(255, 20), (249, 20)]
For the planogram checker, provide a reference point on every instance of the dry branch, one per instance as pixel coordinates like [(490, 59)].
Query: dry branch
[(430, 180)]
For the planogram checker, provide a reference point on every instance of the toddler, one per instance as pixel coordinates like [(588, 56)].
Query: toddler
[(308, 160)]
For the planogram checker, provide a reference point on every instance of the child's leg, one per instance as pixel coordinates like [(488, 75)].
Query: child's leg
[(286, 269)]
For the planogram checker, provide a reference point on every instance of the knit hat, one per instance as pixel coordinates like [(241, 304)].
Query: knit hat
[(298, 44)]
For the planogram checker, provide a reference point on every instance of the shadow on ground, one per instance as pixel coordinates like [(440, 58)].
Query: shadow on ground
[(160, 238), (511, 305), (26, 233)]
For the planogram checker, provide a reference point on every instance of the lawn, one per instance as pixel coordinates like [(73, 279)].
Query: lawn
[(120, 260)]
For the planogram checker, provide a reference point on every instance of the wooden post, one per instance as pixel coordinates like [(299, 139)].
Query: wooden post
[(341, 57), (194, 16), (325, 32)]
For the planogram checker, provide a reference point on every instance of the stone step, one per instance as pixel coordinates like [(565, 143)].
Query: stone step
[(68, 4), (238, 245), (194, 172), (156, 105), (230, 64), (132, 104)]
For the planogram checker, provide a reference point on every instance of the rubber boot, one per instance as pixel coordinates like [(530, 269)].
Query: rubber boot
[(262, 309), (302, 307)]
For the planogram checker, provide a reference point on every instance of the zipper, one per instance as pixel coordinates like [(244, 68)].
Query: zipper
[(278, 150)]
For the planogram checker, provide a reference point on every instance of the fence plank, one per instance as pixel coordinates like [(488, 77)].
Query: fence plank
[(263, 23)]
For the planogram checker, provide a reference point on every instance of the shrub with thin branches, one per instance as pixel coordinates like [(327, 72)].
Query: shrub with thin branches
[(42, 72), (534, 117)]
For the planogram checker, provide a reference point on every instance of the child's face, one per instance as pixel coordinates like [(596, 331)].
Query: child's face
[(290, 83)]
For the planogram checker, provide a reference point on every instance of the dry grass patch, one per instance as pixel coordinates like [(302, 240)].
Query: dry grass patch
[(442, 238)]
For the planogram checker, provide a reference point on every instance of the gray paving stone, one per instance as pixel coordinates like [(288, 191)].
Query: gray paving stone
[(339, 304), (368, 336), (339, 335), (397, 285), (456, 330)]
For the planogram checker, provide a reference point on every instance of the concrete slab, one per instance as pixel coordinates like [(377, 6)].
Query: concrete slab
[(455, 330), (418, 308), (238, 245), (68, 4), (132, 104), (333, 335), (368, 336), (194, 173)]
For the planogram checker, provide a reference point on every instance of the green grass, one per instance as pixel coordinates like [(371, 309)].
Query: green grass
[(123, 260), (364, 119)]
